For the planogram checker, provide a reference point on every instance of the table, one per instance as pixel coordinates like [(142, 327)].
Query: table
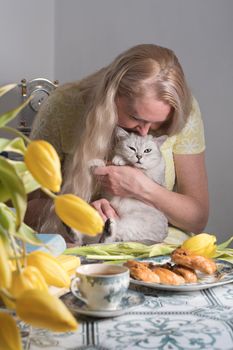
[(166, 321)]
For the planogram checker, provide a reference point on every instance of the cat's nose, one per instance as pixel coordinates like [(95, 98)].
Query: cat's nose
[(139, 156)]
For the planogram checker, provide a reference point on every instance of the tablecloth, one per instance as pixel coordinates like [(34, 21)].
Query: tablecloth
[(166, 321)]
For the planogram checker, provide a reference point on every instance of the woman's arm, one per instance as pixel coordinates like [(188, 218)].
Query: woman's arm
[(187, 208)]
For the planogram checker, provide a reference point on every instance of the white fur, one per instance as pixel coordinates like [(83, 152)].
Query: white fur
[(138, 220)]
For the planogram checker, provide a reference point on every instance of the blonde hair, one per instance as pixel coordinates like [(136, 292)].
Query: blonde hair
[(137, 72)]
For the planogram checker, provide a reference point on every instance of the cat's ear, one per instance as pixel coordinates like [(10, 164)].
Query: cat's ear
[(160, 140), (121, 133)]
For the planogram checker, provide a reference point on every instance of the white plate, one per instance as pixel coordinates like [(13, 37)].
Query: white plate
[(223, 275), (129, 301)]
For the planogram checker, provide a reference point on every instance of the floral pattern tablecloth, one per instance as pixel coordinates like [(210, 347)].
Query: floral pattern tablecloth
[(166, 321)]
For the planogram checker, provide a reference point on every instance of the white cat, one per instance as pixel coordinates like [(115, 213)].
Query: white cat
[(137, 220)]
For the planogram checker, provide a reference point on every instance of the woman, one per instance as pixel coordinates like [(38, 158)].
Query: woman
[(143, 90)]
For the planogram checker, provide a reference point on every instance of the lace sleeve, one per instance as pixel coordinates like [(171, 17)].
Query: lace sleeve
[(191, 139)]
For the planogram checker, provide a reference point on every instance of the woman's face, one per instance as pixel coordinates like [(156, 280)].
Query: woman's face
[(146, 113)]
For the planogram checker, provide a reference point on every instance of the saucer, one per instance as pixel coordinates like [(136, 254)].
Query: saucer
[(130, 300)]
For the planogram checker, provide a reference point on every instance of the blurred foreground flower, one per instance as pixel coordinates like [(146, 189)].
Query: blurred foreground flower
[(69, 263), (9, 333), (50, 268), (23, 287), (29, 277), (44, 164), (202, 244), (40, 309), (78, 214)]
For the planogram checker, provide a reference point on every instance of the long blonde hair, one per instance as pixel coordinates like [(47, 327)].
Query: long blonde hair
[(135, 73)]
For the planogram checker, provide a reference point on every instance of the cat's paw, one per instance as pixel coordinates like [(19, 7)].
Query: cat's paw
[(95, 163), (118, 160), (109, 232)]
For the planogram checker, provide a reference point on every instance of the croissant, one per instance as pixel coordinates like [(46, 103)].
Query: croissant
[(141, 272), (196, 262), (167, 276)]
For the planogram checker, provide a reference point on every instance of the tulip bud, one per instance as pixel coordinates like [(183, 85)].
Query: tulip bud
[(29, 278), (202, 244), (40, 309), (69, 263), (78, 214), (9, 333), (50, 268), (5, 269), (44, 164)]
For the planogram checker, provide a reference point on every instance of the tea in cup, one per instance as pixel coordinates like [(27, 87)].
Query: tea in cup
[(100, 286)]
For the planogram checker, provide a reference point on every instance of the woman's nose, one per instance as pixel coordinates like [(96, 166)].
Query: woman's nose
[(144, 129)]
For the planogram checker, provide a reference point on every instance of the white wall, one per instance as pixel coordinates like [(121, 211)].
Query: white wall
[(90, 33), (27, 47), (27, 40)]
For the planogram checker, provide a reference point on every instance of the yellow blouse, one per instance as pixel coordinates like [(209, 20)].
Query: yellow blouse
[(190, 140)]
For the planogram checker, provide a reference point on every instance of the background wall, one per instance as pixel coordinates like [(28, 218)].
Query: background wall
[(27, 45), (27, 39), (66, 40)]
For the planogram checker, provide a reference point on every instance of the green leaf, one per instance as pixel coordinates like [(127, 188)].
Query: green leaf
[(6, 88), (133, 249), (14, 185), (110, 257), (4, 193), (30, 184), (161, 249), (27, 234), (8, 224), (7, 220), (225, 244), (226, 257), (16, 145), (8, 116)]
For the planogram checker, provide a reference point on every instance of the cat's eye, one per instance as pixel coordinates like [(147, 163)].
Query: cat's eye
[(148, 150), (132, 148)]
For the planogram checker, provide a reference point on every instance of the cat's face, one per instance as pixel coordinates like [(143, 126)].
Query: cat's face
[(139, 151)]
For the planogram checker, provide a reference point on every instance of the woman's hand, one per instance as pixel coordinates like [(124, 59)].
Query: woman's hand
[(123, 181), (104, 208)]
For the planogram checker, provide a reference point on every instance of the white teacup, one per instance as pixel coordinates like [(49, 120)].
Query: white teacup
[(100, 286)]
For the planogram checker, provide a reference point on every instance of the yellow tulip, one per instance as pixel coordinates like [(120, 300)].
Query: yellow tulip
[(50, 268), (29, 278), (10, 304), (5, 268), (69, 263), (78, 214), (44, 164), (9, 333), (202, 244), (40, 309)]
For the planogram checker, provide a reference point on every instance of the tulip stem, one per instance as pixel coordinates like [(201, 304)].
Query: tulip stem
[(7, 294), (15, 253), (16, 132), (48, 192)]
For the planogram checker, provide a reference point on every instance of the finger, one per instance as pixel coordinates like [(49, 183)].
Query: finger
[(102, 170), (108, 211), (99, 209)]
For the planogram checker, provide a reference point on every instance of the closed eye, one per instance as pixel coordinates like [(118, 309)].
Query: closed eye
[(148, 150), (132, 148)]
